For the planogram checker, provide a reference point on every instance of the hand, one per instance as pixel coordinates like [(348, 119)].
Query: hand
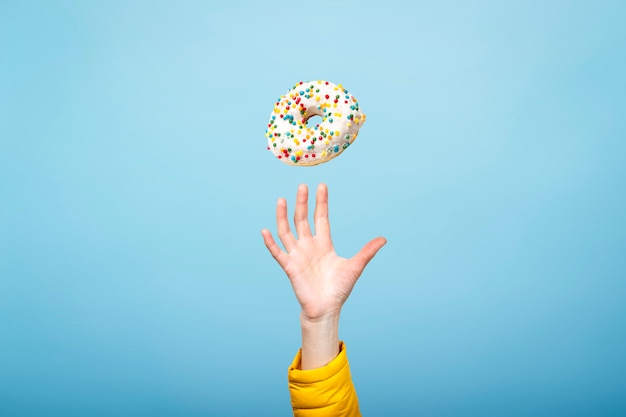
[(321, 280)]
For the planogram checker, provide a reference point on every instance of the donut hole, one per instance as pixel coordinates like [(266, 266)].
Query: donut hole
[(314, 120)]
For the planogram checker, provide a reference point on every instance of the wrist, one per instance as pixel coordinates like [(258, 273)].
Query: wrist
[(320, 319), (320, 340)]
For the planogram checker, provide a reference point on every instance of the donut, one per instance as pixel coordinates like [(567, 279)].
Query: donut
[(294, 143)]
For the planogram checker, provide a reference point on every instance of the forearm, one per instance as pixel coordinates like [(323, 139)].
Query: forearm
[(320, 340)]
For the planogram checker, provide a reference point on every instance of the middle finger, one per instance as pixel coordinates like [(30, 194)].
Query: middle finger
[(301, 215)]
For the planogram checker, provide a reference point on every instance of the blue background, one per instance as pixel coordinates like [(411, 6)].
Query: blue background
[(134, 181)]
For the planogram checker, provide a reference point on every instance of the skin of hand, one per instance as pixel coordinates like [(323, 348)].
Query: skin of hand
[(321, 280)]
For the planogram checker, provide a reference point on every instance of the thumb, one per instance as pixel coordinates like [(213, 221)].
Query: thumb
[(367, 252)]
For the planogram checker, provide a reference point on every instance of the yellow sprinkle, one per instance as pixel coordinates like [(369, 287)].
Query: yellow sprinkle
[(276, 110), (338, 114), (319, 82), (334, 105), (336, 133), (349, 124), (323, 154), (317, 98), (298, 153)]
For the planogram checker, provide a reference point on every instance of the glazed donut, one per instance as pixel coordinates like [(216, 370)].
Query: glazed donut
[(294, 143)]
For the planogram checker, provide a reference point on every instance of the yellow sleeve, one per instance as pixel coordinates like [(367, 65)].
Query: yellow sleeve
[(325, 391)]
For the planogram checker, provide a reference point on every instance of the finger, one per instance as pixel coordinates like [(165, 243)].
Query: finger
[(366, 253), (277, 253), (301, 215), (322, 224), (282, 224)]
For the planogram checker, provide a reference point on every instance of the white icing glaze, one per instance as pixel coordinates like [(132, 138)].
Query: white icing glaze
[(288, 136)]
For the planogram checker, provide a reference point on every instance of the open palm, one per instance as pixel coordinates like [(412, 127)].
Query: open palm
[(322, 280)]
